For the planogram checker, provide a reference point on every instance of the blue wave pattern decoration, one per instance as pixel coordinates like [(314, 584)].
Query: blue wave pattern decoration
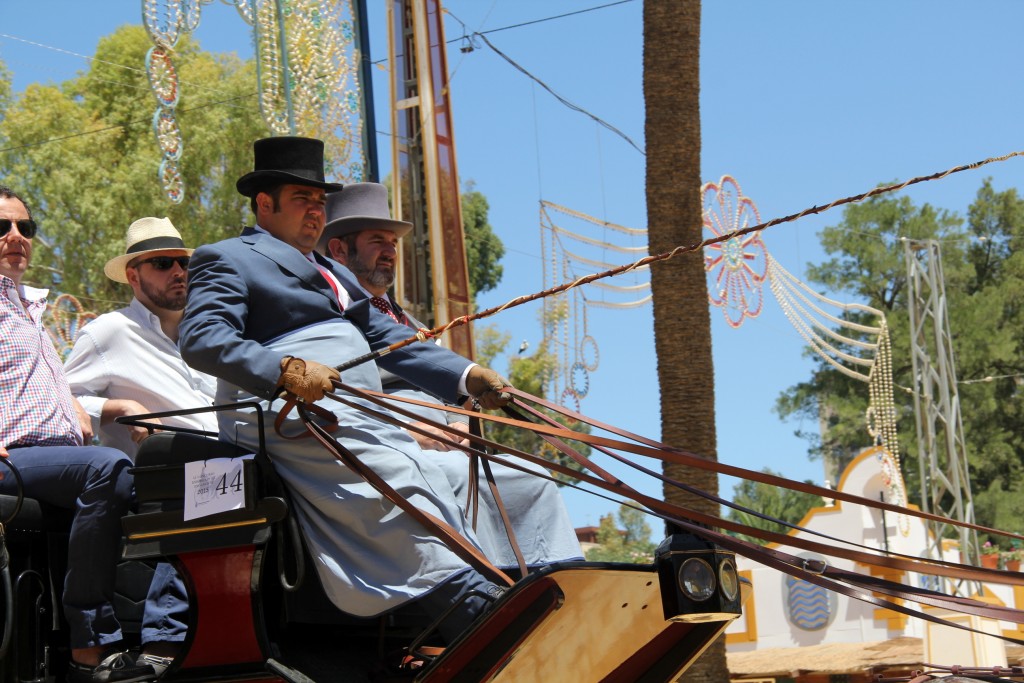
[(807, 604)]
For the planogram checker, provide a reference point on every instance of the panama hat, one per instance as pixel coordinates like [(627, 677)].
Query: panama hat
[(145, 235), (358, 207), (286, 160)]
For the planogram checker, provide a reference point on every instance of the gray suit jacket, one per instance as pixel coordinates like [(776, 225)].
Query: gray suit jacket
[(249, 290)]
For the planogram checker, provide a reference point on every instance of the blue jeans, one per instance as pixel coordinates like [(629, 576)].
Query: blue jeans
[(94, 482), (165, 618)]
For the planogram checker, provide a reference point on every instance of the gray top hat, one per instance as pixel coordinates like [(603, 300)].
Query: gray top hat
[(286, 160), (358, 207)]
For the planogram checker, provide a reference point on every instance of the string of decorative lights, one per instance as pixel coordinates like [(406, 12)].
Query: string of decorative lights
[(107, 129), (306, 72), (563, 257), (62, 319), (737, 269)]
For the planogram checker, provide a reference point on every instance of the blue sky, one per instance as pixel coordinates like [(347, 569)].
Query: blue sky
[(802, 102)]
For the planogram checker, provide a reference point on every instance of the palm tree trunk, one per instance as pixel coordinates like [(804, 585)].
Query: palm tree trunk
[(682, 322)]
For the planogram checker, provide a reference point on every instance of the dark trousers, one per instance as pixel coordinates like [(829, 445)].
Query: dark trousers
[(94, 483)]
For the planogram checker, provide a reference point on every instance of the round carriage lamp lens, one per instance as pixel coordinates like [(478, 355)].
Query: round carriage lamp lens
[(697, 579), (729, 579)]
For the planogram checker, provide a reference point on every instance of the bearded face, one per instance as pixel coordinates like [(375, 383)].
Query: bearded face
[(371, 257)]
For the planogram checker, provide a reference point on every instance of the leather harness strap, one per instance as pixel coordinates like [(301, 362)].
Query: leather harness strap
[(670, 512), (851, 584), (476, 430), (473, 501), (656, 450), (847, 583), (614, 485), (909, 563)]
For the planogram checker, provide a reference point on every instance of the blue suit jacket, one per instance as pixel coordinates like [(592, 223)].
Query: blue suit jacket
[(249, 290)]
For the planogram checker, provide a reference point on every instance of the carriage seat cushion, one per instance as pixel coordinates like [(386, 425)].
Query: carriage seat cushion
[(160, 463), (34, 515), (171, 448)]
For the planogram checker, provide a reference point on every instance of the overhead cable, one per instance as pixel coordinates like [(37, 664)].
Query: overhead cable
[(559, 97), (148, 120)]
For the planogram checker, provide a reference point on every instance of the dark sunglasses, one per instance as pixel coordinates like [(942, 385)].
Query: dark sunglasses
[(26, 226), (165, 262)]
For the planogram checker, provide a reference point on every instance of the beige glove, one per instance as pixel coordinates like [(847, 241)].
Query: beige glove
[(307, 379), (485, 385)]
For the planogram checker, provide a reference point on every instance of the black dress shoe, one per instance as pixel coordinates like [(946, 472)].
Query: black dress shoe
[(159, 664), (119, 667)]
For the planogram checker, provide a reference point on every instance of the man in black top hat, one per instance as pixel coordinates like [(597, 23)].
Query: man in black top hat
[(265, 314)]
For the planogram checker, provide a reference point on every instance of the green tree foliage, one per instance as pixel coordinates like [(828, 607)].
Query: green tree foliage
[(84, 154), (782, 504), (483, 248), (630, 543), (983, 267)]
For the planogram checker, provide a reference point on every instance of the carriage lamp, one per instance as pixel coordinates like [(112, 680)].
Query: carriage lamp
[(698, 580)]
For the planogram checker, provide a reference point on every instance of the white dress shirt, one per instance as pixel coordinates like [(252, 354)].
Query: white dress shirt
[(126, 355)]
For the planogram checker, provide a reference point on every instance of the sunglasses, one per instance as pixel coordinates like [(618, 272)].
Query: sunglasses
[(26, 226), (165, 262)]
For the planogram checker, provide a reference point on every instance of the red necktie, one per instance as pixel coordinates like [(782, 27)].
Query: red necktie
[(384, 306)]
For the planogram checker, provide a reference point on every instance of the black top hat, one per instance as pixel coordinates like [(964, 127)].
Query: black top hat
[(286, 160)]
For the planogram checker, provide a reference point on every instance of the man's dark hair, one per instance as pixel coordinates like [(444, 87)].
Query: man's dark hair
[(275, 193), (8, 193)]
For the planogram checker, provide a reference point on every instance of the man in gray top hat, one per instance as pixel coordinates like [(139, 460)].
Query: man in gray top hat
[(265, 313), (361, 234)]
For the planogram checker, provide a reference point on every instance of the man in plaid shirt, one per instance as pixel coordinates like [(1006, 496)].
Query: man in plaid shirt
[(42, 431)]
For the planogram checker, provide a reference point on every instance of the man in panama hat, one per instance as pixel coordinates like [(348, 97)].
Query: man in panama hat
[(127, 363), (267, 314), (361, 235)]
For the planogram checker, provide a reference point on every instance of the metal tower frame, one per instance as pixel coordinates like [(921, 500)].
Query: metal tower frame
[(433, 278), (945, 477)]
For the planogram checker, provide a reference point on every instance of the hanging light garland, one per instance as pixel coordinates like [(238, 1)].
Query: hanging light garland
[(307, 68), (163, 20), (62, 320), (737, 269), (569, 252)]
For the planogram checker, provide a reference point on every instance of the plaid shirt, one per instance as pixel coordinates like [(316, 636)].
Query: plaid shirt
[(36, 407)]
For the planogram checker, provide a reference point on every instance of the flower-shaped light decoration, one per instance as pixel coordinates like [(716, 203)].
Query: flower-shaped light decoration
[(737, 267), (62, 321)]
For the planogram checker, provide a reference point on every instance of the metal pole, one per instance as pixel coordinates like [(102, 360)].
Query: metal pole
[(366, 92), (282, 39)]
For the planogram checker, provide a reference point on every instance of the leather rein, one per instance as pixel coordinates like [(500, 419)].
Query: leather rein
[(520, 413)]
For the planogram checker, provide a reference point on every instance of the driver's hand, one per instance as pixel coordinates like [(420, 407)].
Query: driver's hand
[(487, 387), (439, 444), (307, 379)]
